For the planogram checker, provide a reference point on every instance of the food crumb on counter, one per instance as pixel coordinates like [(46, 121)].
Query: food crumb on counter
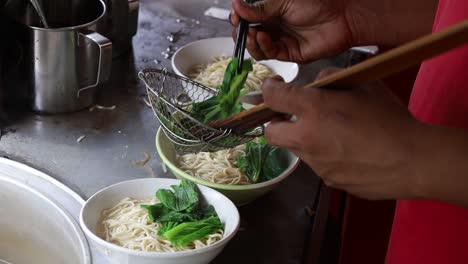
[(80, 138), (171, 38), (143, 161)]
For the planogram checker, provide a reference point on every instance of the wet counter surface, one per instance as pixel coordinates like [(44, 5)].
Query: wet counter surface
[(274, 228)]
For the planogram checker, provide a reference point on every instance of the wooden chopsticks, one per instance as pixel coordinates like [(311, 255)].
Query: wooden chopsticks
[(378, 67)]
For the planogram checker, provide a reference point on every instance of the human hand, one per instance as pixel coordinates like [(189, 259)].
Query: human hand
[(306, 30), (294, 30), (361, 140)]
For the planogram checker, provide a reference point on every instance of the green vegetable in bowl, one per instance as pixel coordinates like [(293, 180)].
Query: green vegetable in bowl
[(226, 103), (183, 218), (262, 162), (185, 233)]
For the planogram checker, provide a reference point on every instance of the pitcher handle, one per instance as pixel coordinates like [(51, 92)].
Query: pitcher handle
[(105, 59)]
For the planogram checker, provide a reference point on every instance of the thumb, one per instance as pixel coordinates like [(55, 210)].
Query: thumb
[(282, 97), (258, 12)]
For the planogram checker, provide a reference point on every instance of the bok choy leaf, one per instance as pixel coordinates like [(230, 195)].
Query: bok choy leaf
[(261, 162), (226, 103), (183, 219)]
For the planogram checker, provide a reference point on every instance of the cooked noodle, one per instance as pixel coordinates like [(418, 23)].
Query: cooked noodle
[(212, 74), (217, 167), (128, 225)]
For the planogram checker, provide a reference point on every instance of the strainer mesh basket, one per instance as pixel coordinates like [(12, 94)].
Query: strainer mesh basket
[(171, 97)]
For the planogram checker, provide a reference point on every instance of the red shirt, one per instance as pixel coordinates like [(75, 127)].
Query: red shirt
[(427, 231)]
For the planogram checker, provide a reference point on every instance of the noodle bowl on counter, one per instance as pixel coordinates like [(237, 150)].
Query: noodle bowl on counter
[(212, 75), (128, 225), (159, 220)]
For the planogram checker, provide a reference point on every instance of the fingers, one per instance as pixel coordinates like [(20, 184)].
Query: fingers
[(285, 48), (282, 134), (283, 97), (266, 45), (234, 18), (253, 46), (258, 12), (261, 46), (288, 49), (259, 43), (275, 131)]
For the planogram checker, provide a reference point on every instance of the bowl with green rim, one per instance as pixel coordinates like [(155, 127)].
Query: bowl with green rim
[(239, 194)]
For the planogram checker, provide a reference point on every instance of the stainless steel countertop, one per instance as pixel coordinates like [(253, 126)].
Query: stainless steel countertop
[(274, 227)]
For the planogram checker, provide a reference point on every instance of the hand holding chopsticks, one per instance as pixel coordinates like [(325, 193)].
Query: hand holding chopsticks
[(375, 68)]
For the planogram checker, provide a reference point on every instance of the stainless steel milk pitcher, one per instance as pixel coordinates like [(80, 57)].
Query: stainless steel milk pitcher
[(65, 64)]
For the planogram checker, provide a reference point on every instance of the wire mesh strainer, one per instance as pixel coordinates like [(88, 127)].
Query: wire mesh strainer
[(171, 97)]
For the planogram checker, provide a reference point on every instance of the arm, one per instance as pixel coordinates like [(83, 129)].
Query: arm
[(441, 168)]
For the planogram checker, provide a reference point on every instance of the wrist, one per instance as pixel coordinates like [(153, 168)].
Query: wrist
[(422, 138), (441, 165), (389, 23), (369, 28)]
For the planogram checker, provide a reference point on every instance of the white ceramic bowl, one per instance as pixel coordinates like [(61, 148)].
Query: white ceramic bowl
[(203, 51), (36, 225), (144, 188)]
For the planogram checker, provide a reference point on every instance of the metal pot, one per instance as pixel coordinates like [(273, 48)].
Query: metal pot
[(64, 65)]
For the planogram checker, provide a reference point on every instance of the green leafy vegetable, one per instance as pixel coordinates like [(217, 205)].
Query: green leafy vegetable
[(261, 162), (183, 197), (182, 218), (188, 232), (166, 226), (273, 165), (226, 103)]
